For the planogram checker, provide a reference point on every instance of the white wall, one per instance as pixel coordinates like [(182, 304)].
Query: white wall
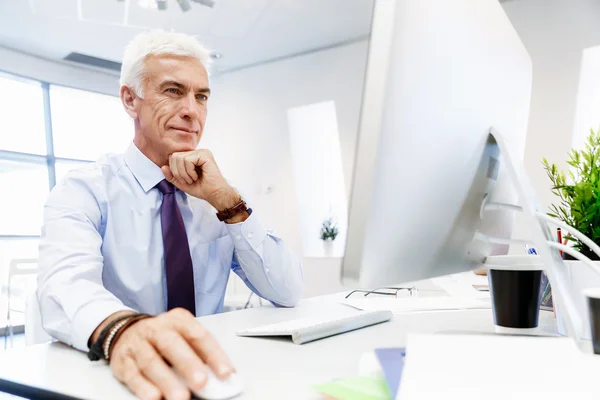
[(555, 33), (58, 73), (247, 129), (247, 125)]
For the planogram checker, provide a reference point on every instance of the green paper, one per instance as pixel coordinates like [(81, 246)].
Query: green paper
[(358, 388)]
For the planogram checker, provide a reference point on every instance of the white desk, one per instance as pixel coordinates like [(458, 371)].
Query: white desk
[(271, 368)]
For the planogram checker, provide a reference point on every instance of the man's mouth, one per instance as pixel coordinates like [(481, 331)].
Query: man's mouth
[(185, 130)]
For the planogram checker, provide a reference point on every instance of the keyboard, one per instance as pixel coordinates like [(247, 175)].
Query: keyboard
[(304, 330)]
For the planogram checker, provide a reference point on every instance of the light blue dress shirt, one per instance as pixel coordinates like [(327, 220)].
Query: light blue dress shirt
[(101, 250)]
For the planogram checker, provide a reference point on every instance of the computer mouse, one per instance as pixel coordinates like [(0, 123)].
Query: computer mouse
[(216, 389)]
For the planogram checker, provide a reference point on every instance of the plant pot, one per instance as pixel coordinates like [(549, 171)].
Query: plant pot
[(586, 252), (327, 247), (581, 277)]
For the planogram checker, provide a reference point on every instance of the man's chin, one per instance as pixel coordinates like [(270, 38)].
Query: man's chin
[(181, 147), (184, 148)]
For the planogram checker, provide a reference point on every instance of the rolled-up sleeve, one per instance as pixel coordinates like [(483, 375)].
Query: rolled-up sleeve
[(72, 298), (265, 263)]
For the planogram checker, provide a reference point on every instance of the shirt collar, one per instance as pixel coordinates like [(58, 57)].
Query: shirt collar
[(143, 169)]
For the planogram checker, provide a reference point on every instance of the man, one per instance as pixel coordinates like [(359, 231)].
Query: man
[(138, 233)]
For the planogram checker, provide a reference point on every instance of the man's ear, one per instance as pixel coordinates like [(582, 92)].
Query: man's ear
[(129, 98)]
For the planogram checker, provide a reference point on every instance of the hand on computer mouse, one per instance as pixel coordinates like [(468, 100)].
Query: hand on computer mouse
[(139, 358)]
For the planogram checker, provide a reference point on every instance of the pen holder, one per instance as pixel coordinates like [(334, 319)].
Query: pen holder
[(515, 291)]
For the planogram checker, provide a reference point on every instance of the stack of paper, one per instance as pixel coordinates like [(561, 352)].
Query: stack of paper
[(497, 367)]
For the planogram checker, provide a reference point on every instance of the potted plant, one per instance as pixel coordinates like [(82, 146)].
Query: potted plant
[(579, 195), (578, 191), (329, 232)]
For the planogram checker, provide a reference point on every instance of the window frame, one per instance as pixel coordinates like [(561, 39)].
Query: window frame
[(48, 159)]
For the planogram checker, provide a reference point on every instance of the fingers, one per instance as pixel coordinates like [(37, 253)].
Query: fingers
[(190, 168), (131, 376), (154, 369), (175, 170), (166, 170), (207, 347), (183, 167), (183, 358), (203, 156)]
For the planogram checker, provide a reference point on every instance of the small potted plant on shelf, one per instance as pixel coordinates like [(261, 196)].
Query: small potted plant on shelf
[(329, 232), (578, 191)]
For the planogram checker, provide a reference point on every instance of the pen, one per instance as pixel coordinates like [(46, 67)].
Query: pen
[(559, 237)]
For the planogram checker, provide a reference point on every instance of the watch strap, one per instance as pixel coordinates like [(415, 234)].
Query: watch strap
[(233, 211)]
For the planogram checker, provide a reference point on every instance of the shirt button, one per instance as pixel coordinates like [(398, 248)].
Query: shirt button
[(250, 235), (238, 237), (267, 269)]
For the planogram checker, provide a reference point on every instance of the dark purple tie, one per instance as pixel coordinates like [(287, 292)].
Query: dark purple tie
[(178, 262)]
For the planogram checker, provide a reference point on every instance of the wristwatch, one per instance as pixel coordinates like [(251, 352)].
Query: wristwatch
[(233, 211)]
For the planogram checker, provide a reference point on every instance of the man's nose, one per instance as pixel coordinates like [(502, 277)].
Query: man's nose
[(189, 108)]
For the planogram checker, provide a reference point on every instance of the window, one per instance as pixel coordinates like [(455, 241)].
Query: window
[(25, 188), (21, 116), (45, 131), (86, 125), (587, 112), (319, 183)]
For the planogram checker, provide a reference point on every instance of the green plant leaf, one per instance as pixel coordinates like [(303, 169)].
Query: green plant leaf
[(578, 189)]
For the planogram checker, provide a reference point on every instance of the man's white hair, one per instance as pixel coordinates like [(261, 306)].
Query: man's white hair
[(157, 43)]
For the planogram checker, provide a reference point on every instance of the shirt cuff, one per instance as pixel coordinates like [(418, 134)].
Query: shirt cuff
[(249, 234), (88, 318)]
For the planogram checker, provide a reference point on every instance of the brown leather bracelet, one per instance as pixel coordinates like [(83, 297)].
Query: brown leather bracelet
[(96, 351), (117, 334)]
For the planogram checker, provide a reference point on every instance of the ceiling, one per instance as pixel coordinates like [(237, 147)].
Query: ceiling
[(245, 32)]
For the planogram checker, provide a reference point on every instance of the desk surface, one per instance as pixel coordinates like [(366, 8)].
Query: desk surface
[(271, 368)]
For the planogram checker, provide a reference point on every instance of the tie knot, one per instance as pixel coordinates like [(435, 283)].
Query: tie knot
[(165, 187)]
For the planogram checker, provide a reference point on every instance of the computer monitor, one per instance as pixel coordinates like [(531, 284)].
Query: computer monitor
[(440, 74)]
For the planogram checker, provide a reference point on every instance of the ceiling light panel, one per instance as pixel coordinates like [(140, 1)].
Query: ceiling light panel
[(111, 12), (56, 8), (234, 18)]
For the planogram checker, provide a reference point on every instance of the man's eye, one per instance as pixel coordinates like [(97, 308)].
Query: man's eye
[(201, 97), (174, 91)]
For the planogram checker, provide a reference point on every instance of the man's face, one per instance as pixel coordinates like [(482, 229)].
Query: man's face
[(172, 114)]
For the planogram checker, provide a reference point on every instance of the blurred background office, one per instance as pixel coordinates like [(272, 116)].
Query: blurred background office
[(287, 82)]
